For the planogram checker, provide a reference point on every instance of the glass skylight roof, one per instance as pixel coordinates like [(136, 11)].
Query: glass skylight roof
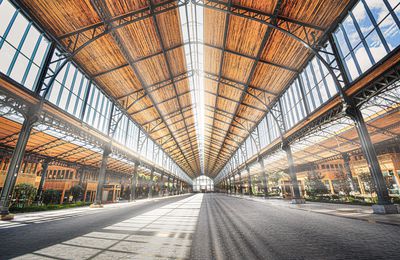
[(191, 17)]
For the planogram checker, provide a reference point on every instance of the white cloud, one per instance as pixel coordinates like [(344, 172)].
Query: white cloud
[(378, 7)]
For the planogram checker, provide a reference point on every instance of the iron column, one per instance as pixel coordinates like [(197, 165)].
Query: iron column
[(264, 178), (230, 185), (293, 177), (81, 175), (150, 185), (346, 160), (173, 186), (18, 154), (384, 203), (102, 176), (39, 192), (133, 183), (168, 185), (234, 185), (249, 181), (240, 184), (162, 185)]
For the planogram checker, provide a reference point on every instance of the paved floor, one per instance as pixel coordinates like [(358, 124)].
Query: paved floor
[(341, 210), (84, 233), (203, 226), (233, 228)]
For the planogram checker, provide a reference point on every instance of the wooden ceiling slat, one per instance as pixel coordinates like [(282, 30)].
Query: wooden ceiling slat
[(281, 58), (245, 36), (170, 28), (140, 38)]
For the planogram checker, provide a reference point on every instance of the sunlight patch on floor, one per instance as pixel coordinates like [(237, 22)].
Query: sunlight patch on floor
[(163, 233)]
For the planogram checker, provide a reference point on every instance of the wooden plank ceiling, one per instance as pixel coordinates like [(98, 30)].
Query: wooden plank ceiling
[(261, 59), (63, 148), (150, 51)]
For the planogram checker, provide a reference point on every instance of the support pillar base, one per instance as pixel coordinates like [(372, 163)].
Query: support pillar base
[(386, 209), (96, 206), (298, 201), (8, 216)]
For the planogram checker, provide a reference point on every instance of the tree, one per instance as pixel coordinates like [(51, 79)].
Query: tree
[(24, 194), (274, 179), (76, 192), (51, 197), (343, 183), (314, 184), (127, 193), (366, 178)]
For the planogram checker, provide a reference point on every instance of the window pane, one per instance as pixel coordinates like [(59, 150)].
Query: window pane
[(41, 52), (377, 49), (30, 42), (7, 53), (6, 13), (362, 19), (341, 42), (391, 32), (17, 30), (379, 35), (351, 32), (70, 77), (54, 92), (395, 4), (362, 56), (22, 45), (19, 68), (351, 66), (71, 104), (378, 9), (31, 79), (63, 99)]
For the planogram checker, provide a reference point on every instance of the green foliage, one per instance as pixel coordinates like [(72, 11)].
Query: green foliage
[(341, 200), (51, 197), (396, 200), (23, 194), (127, 193), (34, 208), (342, 182), (76, 192), (366, 178), (314, 184), (275, 178)]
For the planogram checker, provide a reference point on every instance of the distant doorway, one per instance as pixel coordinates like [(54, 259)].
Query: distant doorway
[(203, 184)]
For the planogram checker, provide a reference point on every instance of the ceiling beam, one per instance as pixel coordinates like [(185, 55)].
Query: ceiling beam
[(235, 84), (258, 57), (236, 101), (102, 10)]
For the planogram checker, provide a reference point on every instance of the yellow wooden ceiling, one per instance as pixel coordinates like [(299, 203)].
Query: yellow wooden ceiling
[(233, 50)]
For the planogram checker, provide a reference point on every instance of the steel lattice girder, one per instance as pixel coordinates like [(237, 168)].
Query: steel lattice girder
[(66, 128), (390, 77), (108, 26), (272, 20), (101, 8)]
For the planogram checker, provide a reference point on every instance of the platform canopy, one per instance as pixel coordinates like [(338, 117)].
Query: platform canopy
[(189, 71)]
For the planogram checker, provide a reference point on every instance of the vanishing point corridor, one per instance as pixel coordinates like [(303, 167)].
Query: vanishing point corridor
[(200, 129), (201, 226)]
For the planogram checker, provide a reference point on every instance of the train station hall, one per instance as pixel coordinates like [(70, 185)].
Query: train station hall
[(199, 129)]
